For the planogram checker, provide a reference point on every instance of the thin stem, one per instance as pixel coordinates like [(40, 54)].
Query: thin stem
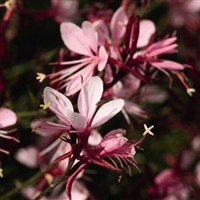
[(16, 190), (59, 181), (52, 186), (30, 113), (127, 68)]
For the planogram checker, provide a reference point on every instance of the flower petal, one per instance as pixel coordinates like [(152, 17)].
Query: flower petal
[(58, 103), (147, 29), (106, 112), (161, 45), (118, 24), (76, 120), (23, 156), (95, 138), (74, 39), (47, 128), (90, 35), (7, 117), (103, 57), (79, 79), (89, 97), (167, 64), (102, 31)]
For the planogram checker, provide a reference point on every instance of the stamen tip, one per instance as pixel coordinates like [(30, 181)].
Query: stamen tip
[(190, 91)]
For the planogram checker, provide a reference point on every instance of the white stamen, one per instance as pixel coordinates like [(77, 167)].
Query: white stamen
[(148, 130), (10, 4), (49, 178), (40, 77), (45, 105), (190, 91), (1, 172)]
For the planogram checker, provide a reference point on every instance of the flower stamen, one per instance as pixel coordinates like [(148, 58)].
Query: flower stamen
[(45, 105), (148, 130)]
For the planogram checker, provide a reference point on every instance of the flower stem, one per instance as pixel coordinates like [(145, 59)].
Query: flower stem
[(16, 190), (59, 181), (52, 186)]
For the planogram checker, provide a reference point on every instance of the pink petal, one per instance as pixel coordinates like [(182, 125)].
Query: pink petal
[(167, 64), (72, 178), (47, 128), (58, 103), (113, 134), (63, 108), (101, 30), (107, 111), (74, 39), (95, 138), (164, 50), (192, 6), (134, 109), (159, 45), (79, 79), (7, 117), (103, 57), (118, 24), (90, 35), (76, 120), (147, 29), (79, 191), (28, 156), (114, 141), (89, 96)]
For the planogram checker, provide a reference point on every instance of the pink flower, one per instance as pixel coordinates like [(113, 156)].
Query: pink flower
[(170, 185), (7, 118), (87, 118), (118, 27), (166, 46), (83, 41), (146, 30), (23, 156), (125, 89), (115, 145)]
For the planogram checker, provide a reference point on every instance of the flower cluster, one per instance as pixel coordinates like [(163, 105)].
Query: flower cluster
[(79, 126), (126, 47), (109, 61), (96, 89)]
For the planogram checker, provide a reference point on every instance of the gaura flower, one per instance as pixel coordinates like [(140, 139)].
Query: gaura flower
[(115, 145), (7, 118), (83, 41), (87, 117), (170, 185), (166, 46), (118, 26), (125, 89)]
